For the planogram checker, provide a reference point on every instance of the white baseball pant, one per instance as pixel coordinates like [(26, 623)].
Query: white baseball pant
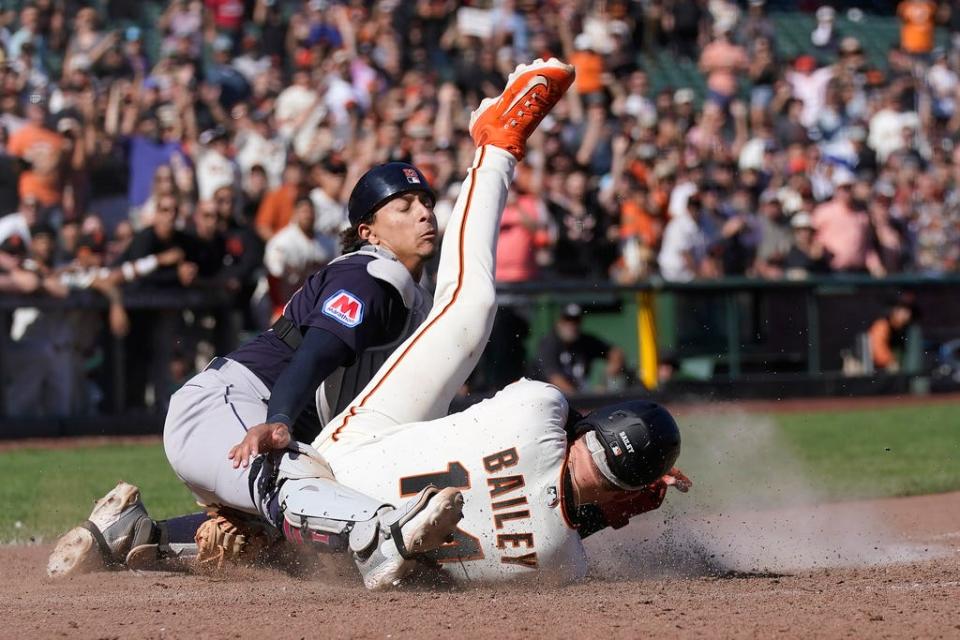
[(421, 378)]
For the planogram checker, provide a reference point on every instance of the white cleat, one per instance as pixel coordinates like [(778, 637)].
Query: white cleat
[(117, 523), (423, 524)]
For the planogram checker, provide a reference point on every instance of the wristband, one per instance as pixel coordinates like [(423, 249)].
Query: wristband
[(128, 271), (145, 266), (282, 418)]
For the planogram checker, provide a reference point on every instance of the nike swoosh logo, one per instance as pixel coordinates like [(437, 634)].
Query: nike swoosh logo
[(535, 81)]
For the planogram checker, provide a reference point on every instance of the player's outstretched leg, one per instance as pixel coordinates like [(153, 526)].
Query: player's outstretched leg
[(422, 376)]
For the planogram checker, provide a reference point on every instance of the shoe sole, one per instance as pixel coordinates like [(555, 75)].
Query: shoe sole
[(430, 528), (146, 557), (76, 551)]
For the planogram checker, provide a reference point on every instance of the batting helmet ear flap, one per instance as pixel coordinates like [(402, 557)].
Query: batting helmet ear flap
[(640, 440)]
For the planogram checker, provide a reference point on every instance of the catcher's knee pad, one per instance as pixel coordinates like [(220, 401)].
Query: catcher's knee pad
[(270, 471)]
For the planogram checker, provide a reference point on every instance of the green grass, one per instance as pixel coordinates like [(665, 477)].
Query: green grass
[(738, 460), (48, 491), (758, 459), (881, 452)]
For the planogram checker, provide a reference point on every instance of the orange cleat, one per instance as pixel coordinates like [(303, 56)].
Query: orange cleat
[(508, 120)]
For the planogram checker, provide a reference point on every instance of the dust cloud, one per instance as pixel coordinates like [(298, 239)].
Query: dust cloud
[(752, 510)]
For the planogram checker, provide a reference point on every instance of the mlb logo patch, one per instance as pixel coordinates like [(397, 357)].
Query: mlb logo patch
[(344, 307), (412, 176)]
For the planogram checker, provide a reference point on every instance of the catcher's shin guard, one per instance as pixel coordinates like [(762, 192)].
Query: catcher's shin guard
[(385, 542)]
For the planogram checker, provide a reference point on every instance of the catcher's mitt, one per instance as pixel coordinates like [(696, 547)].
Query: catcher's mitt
[(230, 536)]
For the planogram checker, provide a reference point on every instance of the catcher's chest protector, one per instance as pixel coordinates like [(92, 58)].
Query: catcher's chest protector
[(344, 384)]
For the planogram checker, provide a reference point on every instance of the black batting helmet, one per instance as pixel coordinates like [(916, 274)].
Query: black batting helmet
[(636, 442), (381, 184)]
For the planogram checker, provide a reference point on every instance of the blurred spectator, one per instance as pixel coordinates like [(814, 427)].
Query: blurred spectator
[(589, 65), (686, 240), (219, 72), (917, 20), (887, 335), (227, 14), (723, 61), (740, 234), (806, 257), (295, 252), (891, 127), (259, 145), (565, 356), (42, 151), (762, 71), (28, 35), (944, 83), (756, 26), (87, 44), (134, 56), (824, 36), (889, 233), (182, 23), (295, 104), (776, 238), (255, 187), (214, 168), (329, 195), (681, 24), (523, 233), (843, 228), (276, 209), (169, 244), (18, 224), (152, 146), (207, 246), (9, 176), (809, 85), (581, 247)]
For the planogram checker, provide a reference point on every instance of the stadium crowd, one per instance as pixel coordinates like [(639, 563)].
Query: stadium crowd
[(221, 155)]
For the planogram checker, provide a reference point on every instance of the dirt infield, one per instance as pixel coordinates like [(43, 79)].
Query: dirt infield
[(878, 569)]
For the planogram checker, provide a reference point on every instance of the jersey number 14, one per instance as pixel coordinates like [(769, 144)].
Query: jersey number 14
[(464, 546)]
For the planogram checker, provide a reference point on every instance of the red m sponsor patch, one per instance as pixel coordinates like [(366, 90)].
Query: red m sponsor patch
[(344, 307)]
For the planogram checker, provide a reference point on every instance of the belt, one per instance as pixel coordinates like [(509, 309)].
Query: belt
[(256, 385)]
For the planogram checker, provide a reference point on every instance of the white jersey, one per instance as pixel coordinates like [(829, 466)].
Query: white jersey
[(507, 455)]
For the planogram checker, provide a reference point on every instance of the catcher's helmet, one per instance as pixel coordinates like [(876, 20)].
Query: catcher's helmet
[(381, 184), (635, 442)]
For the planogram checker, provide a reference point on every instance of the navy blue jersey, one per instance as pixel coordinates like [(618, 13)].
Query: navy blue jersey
[(342, 298)]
